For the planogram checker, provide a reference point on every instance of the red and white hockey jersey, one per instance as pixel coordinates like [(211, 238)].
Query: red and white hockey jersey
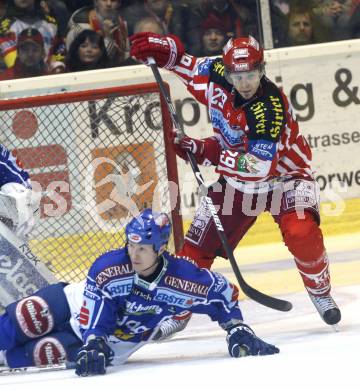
[(259, 138)]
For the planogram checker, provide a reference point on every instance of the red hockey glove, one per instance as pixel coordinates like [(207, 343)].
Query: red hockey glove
[(166, 50), (185, 144), (206, 151)]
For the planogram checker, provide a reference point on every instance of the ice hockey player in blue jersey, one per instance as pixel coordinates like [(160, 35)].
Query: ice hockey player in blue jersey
[(16, 206), (130, 291), (128, 297)]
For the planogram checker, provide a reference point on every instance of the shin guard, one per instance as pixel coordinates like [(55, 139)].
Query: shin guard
[(304, 240)]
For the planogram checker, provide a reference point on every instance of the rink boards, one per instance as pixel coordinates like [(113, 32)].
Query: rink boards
[(268, 267)]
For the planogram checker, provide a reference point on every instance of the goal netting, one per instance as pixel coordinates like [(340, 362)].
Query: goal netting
[(97, 158)]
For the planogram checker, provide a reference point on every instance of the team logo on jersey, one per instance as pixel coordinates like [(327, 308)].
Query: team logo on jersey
[(120, 287), (186, 285), (173, 298), (266, 117), (248, 164), (219, 68), (49, 351), (34, 317), (231, 136), (300, 194), (259, 110), (84, 315), (138, 309), (263, 149), (86, 311), (279, 116), (114, 271), (138, 292)]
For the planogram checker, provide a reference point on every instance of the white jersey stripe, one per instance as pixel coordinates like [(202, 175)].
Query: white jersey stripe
[(297, 150), (290, 163), (184, 71)]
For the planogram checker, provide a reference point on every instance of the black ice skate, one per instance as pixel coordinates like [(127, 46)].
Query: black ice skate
[(327, 308), (169, 327)]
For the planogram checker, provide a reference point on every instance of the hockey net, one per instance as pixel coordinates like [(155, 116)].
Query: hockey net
[(97, 158)]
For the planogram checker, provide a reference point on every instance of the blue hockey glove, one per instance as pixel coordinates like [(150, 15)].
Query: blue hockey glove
[(93, 357), (242, 341)]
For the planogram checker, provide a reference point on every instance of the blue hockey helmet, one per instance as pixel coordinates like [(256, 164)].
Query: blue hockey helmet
[(149, 228)]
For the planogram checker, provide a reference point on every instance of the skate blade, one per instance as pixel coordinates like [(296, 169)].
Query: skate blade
[(336, 328)]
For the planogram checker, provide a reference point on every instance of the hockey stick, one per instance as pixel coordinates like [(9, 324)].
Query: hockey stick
[(4, 371), (20, 270), (266, 300)]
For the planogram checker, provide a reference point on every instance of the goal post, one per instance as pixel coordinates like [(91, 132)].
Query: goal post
[(97, 157)]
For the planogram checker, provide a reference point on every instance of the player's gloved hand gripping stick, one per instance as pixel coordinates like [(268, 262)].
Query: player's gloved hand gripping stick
[(266, 300)]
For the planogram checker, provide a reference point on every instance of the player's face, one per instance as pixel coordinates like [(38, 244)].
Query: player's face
[(246, 83), (143, 258)]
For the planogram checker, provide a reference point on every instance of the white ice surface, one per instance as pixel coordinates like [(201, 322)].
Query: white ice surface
[(312, 355)]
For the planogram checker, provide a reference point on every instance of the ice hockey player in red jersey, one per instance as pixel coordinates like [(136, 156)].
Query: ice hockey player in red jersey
[(263, 161)]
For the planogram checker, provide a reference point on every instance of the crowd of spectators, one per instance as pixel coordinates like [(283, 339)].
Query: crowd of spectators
[(39, 37), (302, 22)]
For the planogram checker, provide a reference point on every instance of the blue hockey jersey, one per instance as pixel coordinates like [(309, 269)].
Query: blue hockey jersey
[(10, 170), (118, 302)]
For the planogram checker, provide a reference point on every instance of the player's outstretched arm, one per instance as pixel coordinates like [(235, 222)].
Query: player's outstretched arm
[(242, 341)]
